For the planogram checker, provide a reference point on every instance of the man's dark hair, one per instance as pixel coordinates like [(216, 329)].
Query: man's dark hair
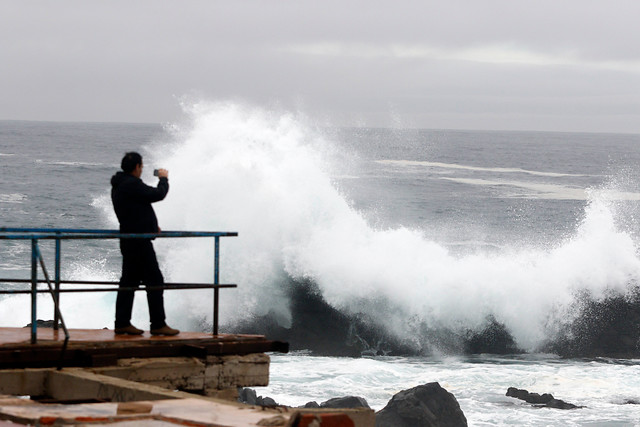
[(130, 161)]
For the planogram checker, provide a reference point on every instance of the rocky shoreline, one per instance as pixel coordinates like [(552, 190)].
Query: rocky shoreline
[(427, 405), (605, 327)]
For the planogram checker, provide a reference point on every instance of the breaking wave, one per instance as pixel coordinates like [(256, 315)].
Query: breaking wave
[(268, 177)]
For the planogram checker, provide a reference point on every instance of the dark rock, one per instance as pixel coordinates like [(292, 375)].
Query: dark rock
[(248, 396), (427, 405), (265, 401), (608, 327), (538, 399), (546, 400), (517, 393), (534, 398), (493, 339), (321, 328), (327, 331), (313, 404), (43, 324), (345, 402), (561, 404), (328, 336)]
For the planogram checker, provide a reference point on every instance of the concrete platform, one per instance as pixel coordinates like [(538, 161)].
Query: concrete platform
[(144, 381), (192, 412), (13, 336), (189, 412), (101, 347), (129, 403)]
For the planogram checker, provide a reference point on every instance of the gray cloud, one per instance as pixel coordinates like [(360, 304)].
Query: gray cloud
[(554, 65)]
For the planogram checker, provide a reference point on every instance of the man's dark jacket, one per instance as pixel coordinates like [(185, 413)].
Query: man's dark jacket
[(132, 200)]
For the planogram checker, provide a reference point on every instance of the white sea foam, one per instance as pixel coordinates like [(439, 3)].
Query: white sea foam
[(13, 198), (264, 175), (82, 310), (63, 163), (479, 385), (405, 163), (537, 190)]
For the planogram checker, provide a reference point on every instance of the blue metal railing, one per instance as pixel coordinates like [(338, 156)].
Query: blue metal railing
[(60, 234)]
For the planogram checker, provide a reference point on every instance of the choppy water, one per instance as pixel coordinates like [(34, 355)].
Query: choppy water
[(604, 387), (411, 227)]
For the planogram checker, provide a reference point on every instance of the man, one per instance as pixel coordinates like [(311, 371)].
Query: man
[(132, 200)]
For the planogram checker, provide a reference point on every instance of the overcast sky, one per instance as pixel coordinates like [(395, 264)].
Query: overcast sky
[(525, 65)]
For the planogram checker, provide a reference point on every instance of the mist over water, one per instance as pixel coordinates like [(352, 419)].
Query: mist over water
[(272, 178)]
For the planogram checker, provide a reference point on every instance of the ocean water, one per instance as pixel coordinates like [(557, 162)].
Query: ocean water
[(411, 227)]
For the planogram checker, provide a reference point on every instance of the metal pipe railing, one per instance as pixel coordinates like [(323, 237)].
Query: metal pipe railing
[(56, 308), (60, 234)]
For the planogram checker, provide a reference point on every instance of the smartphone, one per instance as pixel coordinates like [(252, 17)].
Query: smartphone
[(155, 172)]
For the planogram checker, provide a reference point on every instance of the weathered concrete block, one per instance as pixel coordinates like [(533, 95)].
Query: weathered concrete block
[(185, 373), (78, 384), (237, 371), (23, 382), (210, 376)]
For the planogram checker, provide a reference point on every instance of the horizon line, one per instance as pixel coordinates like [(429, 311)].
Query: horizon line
[(109, 122)]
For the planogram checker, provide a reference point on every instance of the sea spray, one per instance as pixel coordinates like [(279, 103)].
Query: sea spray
[(488, 222), (265, 175), (94, 310)]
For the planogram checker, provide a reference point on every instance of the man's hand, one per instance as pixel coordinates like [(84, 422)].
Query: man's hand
[(163, 173)]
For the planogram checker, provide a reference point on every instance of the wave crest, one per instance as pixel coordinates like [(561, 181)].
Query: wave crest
[(268, 176)]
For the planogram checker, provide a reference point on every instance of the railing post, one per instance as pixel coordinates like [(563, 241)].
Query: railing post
[(216, 281), (56, 318), (34, 289)]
